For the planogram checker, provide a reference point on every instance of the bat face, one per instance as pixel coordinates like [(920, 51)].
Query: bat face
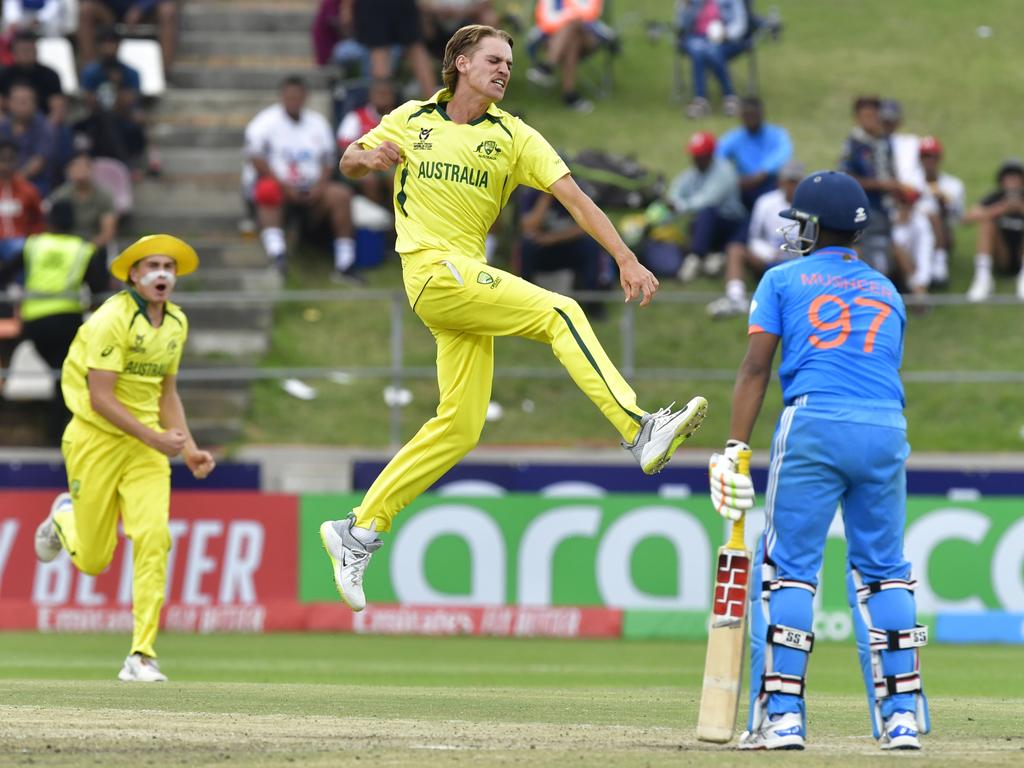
[(723, 666), (731, 580)]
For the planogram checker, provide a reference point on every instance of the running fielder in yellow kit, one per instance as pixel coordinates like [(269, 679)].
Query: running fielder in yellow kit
[(119, 382), (458, 159)]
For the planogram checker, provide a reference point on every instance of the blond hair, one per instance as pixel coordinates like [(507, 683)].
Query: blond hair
[(463, 43)]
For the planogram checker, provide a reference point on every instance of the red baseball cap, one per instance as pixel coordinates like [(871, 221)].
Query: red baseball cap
[(701, 143), (930, 146), (910, 195)]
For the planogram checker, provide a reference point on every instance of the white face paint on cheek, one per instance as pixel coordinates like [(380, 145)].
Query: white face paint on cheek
[(151, 277)]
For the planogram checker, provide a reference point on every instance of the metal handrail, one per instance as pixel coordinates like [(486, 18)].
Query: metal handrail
[(219, 298), (397, 372)]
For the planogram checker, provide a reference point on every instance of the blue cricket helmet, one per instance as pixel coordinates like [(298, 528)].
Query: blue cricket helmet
[(825, 200)]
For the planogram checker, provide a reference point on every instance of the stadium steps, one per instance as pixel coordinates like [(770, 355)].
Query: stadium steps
[(216, 416), (238, 18), (200, 43), (262, 75), (233, 54), (214, 119)]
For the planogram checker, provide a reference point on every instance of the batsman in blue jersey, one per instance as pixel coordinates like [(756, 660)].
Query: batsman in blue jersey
[(839, 443)]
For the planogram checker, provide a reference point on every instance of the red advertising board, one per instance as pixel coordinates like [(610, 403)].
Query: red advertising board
[(232, 567)]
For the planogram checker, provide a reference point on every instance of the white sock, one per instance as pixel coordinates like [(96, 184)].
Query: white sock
[(735, 290), (940, 270), (273, 241), (344, 253), (365, 535), (983, 262), (490, 246)]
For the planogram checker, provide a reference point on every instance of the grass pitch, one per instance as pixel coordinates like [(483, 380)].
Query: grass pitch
[(350, 700)]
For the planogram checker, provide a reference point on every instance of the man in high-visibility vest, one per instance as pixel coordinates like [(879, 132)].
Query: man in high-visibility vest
[(56, 264)]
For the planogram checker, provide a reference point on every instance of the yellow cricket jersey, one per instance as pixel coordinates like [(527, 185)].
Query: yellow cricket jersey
[(456, 178), (118, 337)]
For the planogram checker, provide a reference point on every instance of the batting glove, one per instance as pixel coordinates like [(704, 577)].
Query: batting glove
[(732, 492)]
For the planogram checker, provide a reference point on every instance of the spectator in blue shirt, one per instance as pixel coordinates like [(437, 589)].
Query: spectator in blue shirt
[(33, 135), (97, 14), (110, 90), (757, 149)]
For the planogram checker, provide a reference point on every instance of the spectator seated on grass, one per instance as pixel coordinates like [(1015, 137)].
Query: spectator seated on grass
[(94, 15), (913, 243), (114, 125), (942, 199), (568, 30), (552, 241), (709, 194), (906, 161), (712, 32), (764, 243), (377, 187), (33, 135), (291, 159), (757, 149), (1000, 240), (867, 156)]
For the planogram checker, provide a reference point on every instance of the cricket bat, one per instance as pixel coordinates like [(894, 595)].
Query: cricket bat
[(723, 665)]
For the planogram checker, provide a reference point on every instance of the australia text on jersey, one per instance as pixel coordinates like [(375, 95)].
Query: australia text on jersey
[(141, 368), (453, 172)]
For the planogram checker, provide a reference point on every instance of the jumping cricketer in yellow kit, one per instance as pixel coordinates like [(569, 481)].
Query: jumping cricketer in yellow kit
[(119, 382), (458, 160)]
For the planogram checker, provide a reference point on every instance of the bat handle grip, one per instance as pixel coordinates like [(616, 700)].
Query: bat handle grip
[(736, 539)]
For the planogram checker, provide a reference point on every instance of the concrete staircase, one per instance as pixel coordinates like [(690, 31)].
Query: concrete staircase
[(233, 54)]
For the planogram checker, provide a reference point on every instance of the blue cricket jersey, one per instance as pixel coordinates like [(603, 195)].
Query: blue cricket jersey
[(841, 324)]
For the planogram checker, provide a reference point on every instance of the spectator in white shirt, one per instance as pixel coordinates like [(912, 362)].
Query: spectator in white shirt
[(764, 243), (944, 200), (291, 155), (906, 165), (914, 242)]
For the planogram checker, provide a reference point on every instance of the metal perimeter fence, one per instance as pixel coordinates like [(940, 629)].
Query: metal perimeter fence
[(397, 372)]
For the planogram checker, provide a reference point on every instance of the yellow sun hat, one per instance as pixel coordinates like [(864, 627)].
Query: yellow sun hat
[(184, 255)]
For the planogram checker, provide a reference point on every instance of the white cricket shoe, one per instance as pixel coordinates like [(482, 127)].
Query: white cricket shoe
[(349, 555), (689, 269), (48, 544), (900, 732), (726, 306), (784, 731), (141, 669), (981, 286), (662, 432), (1020, 285)]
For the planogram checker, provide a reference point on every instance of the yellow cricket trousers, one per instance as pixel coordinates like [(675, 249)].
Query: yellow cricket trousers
[(466, 303), (111, 476)]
